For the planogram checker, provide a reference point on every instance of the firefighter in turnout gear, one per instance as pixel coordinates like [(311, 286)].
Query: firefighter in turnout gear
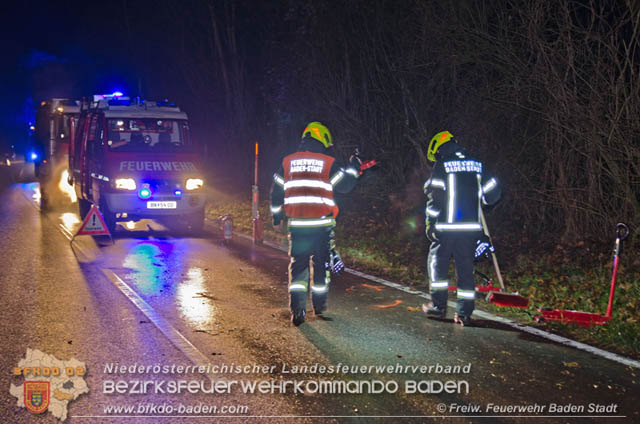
[(302, 191), (458, 187)]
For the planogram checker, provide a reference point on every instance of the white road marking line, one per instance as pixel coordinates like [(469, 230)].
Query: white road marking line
[(184, 345), (486, 315)]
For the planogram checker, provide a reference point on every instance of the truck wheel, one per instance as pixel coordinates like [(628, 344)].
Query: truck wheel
[(45, 204), (109, 217), (83, 208), (195, 221)]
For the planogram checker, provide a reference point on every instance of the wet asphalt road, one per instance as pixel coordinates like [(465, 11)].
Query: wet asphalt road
[(155, 297)]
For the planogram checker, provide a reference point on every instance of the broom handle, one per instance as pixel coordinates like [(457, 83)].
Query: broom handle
[(493, 255)]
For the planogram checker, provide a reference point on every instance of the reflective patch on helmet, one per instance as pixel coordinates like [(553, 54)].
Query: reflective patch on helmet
[(316, 131)]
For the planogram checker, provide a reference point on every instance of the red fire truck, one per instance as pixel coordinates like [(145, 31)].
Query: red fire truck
[(136, 160), (55, 119)]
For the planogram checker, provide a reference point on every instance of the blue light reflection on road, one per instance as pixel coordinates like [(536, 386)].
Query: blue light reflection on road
[(149, 261), (159, 269)]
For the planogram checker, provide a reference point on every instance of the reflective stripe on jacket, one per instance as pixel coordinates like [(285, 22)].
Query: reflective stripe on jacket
[(456, 190), (308, 191)]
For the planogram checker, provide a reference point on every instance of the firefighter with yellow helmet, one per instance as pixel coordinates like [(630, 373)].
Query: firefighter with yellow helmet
[(458, 187), (303, 191)]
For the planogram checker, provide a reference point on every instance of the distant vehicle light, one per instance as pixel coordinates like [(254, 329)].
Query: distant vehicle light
[(177, 192), (33, 156), (193, 183), (144, 193), (120, 123), (125, 184), (32, 128), (60, 109), (117, 94), (61, 135)]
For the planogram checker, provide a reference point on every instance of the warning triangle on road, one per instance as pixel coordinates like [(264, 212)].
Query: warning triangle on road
[(93, 224)]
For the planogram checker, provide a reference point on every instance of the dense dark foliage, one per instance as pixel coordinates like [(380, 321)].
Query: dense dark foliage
[(546, 92)]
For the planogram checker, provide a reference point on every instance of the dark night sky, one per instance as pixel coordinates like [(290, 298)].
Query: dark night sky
[(63, 49)]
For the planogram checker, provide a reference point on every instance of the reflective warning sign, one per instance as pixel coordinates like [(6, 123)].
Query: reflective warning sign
[(93, 224)]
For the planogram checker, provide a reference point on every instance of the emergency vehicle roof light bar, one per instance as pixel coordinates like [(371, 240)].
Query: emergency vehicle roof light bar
[(115, 95)]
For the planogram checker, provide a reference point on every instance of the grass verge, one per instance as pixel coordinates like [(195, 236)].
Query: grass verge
[(575, 277)]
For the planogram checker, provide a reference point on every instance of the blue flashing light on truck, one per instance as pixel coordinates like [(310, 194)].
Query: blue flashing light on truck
[(136, 160)]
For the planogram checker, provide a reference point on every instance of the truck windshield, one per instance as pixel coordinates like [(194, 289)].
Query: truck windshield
[(148, 135)]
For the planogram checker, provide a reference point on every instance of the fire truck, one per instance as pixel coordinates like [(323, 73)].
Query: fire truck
[(135, 159), (55, 119)]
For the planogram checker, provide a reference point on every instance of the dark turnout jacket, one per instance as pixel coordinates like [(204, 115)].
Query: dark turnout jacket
[(458, 187)]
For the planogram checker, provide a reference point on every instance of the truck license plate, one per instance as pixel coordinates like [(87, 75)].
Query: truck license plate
[(162, 205)]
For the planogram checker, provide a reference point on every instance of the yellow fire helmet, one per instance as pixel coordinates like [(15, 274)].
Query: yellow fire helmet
[(435, 143), (319, 132)]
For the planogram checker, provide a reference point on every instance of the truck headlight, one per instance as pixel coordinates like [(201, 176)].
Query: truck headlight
[(125, 183), (193, 183)]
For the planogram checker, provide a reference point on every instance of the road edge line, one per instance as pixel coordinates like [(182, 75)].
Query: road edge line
[(185, 346), (484, 314)]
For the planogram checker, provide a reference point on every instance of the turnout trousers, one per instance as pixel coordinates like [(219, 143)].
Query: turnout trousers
[(309, 252), (461, 245)]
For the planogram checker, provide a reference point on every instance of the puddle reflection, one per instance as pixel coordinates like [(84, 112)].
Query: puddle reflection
[(192, 298)]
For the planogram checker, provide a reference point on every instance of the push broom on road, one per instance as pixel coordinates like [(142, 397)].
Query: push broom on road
[(496, 296)]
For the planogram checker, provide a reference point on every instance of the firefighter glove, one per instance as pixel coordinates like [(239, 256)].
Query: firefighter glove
[(355, 162), (337, 266), (484, 248)]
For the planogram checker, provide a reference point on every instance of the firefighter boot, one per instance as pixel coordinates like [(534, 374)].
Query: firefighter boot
[(297, 316), (434, 311), (298, 306), (464, 309), (463, 320), (319, 303)]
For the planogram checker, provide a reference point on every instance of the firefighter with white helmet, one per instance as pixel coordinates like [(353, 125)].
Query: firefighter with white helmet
[(303, 191), (458, 187)]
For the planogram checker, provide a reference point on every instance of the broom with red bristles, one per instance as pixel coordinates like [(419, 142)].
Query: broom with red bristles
[(501, 298)]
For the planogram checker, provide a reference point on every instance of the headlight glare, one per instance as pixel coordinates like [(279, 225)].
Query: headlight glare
[(125, 183), (193, 183)]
